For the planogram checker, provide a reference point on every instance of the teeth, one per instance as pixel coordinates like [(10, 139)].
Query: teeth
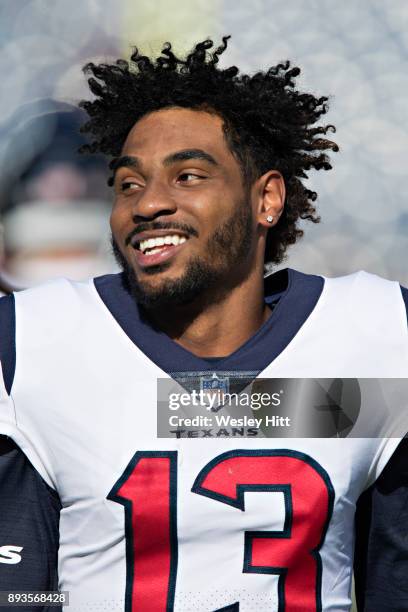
[(153, 251), (152, 243)]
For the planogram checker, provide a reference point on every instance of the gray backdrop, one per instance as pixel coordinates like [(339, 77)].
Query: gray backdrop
[(355, 50)]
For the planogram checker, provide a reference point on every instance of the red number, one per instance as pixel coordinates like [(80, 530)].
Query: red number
[(147, 489), (309, 495)]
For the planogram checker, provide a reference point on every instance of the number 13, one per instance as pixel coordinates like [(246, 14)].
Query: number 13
[(148, 491)]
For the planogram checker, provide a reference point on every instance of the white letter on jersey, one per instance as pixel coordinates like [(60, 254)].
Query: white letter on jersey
[(8, 554)]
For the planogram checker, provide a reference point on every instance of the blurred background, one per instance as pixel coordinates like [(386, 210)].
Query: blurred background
[(54, 203)]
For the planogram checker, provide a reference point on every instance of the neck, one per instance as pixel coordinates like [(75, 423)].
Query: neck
[(219, 324)]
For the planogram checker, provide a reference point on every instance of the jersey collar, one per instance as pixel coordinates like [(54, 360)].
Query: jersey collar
[(296, 295)]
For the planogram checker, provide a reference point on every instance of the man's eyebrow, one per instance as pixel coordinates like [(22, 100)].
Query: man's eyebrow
[(126, 161), (131, 161), (187, 154)]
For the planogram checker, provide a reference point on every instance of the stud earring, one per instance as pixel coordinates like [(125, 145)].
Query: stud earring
[(269, 218)]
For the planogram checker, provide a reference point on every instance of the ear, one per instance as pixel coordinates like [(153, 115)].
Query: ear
[(270, 195)]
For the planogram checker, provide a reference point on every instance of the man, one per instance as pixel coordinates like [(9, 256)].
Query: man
[(208, 167)]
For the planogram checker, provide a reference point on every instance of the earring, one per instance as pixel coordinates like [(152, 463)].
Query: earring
[(269, 218)]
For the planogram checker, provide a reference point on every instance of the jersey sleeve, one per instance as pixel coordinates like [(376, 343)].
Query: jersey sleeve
[(404, 292), (381, 550), (29, 521), (29, 507), (7, 365), (7, 340), (8, 418)]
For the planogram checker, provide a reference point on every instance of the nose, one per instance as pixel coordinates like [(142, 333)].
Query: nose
[(154, 201)]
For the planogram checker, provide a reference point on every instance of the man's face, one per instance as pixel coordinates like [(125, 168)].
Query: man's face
[(182, 221)]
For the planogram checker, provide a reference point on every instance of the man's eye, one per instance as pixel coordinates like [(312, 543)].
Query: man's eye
[(129, 185), (187, 177)]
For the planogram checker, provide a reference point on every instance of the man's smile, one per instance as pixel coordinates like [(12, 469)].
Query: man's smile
[(152, 248)]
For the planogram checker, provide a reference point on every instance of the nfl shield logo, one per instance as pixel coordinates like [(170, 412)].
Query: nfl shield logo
[(214, 387)]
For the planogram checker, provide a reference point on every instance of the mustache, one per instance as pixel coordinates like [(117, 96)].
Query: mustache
[(160, 225)]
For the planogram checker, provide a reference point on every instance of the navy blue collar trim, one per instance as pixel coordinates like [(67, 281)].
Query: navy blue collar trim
[(298, 294)]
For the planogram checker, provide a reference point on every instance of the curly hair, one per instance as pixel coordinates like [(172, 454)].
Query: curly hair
[(268, 124)]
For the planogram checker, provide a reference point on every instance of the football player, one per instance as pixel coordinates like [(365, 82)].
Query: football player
[(208, 167)]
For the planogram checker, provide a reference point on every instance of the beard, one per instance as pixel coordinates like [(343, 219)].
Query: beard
[(204, 277)]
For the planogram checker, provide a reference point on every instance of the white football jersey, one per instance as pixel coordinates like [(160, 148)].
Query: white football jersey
[(155, 524)]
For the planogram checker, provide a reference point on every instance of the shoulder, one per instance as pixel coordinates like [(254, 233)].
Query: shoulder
[(370, 292), (43, 297), (56, 307), (361, 279), (41, 316)]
